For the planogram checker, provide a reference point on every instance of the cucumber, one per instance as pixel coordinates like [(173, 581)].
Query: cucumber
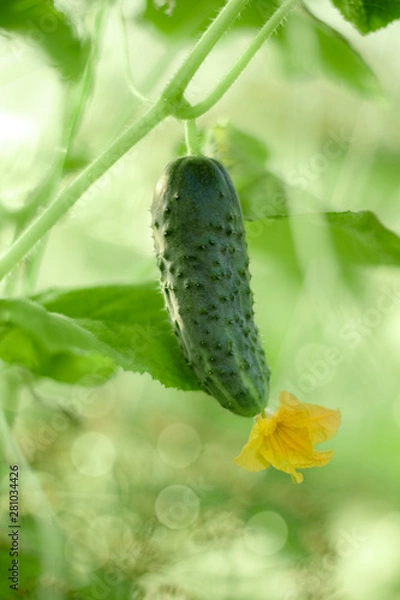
[(201, 250)]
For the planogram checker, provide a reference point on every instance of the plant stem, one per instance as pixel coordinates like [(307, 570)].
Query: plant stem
[(70, 195), (192, 112), (170, 102), (76, 101), (160, 110), (192, 142), (206, 43), (127, 63)]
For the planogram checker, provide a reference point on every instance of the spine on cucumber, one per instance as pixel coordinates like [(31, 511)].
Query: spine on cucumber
[(201, 251)]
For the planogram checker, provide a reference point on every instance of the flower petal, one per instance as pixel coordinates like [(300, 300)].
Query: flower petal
[(251, 459), (322, 423), (286, 439), (287, 448), (296, 476)]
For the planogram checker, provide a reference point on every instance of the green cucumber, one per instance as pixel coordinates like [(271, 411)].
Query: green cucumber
[(201, 249)]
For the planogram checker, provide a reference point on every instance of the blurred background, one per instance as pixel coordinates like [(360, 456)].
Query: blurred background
[(128, 490)]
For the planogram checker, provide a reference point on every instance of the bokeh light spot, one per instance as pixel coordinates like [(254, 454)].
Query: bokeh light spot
[(179, 445), (93, 454), (177, 506), (266, 533)]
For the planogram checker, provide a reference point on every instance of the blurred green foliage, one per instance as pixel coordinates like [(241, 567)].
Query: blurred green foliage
[(50, 29), (325, 52), (368, 15), (127, 489)]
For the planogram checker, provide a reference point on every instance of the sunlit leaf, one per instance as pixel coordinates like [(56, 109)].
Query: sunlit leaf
[(131, 325), (369, 15), (50, 344), (96, 329), (358, 238), (382, 185), (328, 53), (43, 23), (262, 193), (362, 237)]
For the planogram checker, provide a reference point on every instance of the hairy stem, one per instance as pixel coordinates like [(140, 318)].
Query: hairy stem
[(192, 142), (170, 102), (206, 43), (70, 195), (192, 112), (76, 101)]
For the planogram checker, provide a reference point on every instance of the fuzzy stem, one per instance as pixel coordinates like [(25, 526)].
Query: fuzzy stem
[(191, 112), (70, 195), (206, 43), (171, 102), (192, 142)]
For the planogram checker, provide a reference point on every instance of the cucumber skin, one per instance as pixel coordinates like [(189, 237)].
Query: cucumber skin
[(201, 249)]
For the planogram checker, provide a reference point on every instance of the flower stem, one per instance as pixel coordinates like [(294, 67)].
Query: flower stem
[(192, 112), (192, 142)]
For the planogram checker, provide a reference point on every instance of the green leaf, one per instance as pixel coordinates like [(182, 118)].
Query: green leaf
[(75, 162), (183, 19), (131, 325), (262, 193), (357, 238), (83, 335), (362, 236), (50, 344), (369, 15), (328, 53), (48, 27)]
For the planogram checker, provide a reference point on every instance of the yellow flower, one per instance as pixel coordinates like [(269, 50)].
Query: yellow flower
[(286, 438)]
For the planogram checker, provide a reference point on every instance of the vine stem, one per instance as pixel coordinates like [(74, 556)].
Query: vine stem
[(206, 43), (76, 100), (193, 111), (81, 184), (170, 102)]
